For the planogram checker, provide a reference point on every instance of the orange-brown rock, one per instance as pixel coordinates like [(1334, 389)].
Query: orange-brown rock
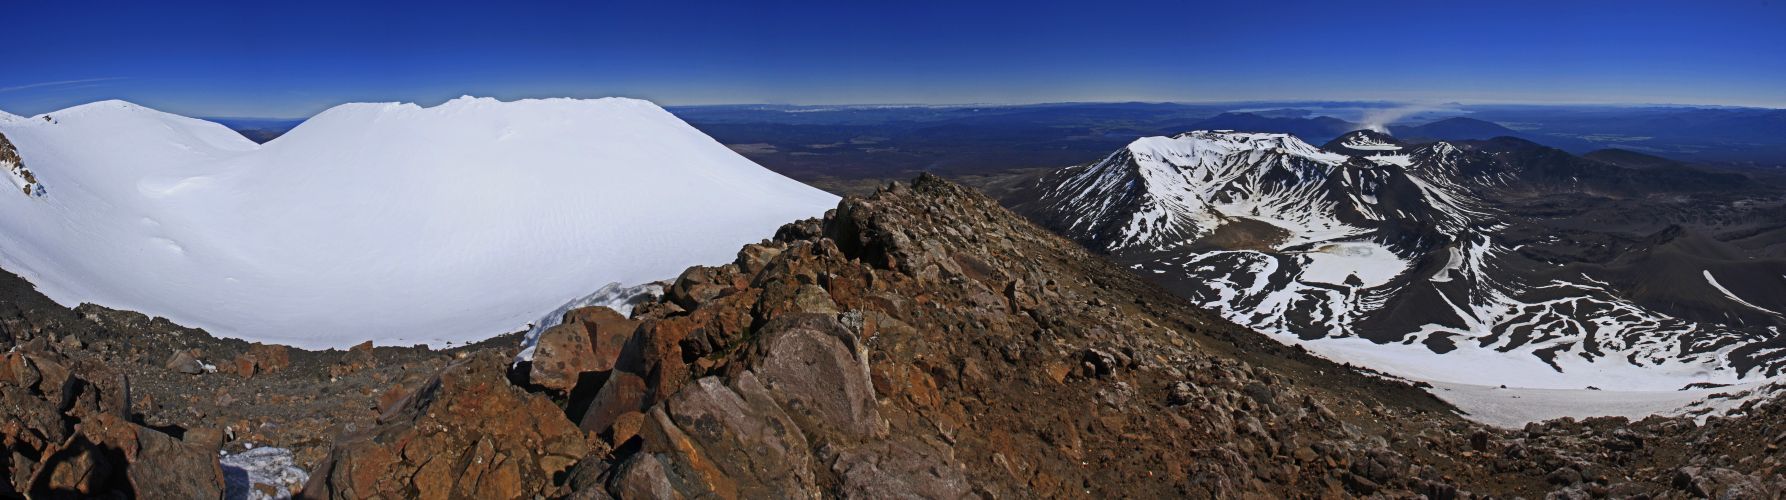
[(561, 356), (466, 433), (623, 393), (262, 358), (110, 455), (588, 341)]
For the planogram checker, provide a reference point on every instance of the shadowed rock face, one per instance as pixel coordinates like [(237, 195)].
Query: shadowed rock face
[(65, 437), (923, 342)]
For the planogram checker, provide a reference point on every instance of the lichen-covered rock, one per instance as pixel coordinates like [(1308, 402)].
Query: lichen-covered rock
[(563, 354), (811, 365), (588, 341), (747, 435)]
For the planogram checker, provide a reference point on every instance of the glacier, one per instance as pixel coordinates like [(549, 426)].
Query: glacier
[(390, 222)]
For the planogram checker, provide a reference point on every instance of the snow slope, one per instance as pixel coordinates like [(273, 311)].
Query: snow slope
[(1158, 191), (395, 223), (1396, 262)]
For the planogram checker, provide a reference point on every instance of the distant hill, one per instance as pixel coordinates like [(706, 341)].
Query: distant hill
[(1452, 129), (1630, 159)]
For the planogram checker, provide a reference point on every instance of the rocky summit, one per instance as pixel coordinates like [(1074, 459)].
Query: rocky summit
[(919, 342)]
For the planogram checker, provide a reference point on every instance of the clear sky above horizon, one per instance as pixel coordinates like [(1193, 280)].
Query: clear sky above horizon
[(293, 59)]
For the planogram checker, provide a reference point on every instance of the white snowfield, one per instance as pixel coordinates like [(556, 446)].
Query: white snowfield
[(1560, 347), (1194, 182), (394, 223)]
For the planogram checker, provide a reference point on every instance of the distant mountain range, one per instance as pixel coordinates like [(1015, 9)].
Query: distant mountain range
[(825, 143), (1452, 129), (1320, 129), (1479, 261)]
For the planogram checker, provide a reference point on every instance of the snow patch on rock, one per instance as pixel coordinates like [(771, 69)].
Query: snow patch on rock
[(264, 473), (614, 296)]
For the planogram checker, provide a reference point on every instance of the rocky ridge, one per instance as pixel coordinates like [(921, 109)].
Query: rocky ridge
[(924, 342)]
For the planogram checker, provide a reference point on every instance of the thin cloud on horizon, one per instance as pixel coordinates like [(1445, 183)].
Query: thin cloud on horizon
[(58, 83)]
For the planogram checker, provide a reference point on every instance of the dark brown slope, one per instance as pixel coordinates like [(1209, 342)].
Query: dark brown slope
[(924, 342)]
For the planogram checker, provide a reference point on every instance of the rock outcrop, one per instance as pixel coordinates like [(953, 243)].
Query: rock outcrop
[(66, 436), (467, 432), (925, 342), (22, 178)]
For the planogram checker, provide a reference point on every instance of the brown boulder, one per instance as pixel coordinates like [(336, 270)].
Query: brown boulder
[(110, 455), (623, 393), (812, 366), (746, 435), (467, 432), (589, 340), (752, 259), (1714, 482), (689, 471), (608, 333), (184, 361), (78, 468), (561, 356), (643, 476), (694, 287), (262, 358), (719, 325)]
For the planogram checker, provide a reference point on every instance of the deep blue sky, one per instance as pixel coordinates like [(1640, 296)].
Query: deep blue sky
[(287, 59)]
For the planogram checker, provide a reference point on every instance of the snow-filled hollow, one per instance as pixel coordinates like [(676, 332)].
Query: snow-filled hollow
[(395, 223), (1371, 264)]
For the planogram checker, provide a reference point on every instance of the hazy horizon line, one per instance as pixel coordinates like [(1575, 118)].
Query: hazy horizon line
[(1288, 103)]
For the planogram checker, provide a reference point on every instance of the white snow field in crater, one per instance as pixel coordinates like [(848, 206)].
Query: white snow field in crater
[(394, 223)]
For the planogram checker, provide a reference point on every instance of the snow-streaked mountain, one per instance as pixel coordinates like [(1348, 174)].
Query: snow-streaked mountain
[(389, 222), (1410, 257)]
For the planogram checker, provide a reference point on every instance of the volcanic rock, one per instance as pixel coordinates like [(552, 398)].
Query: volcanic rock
[(465, 433), (185, 362)]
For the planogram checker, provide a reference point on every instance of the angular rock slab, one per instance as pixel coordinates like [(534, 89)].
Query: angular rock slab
[(814, 368)]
